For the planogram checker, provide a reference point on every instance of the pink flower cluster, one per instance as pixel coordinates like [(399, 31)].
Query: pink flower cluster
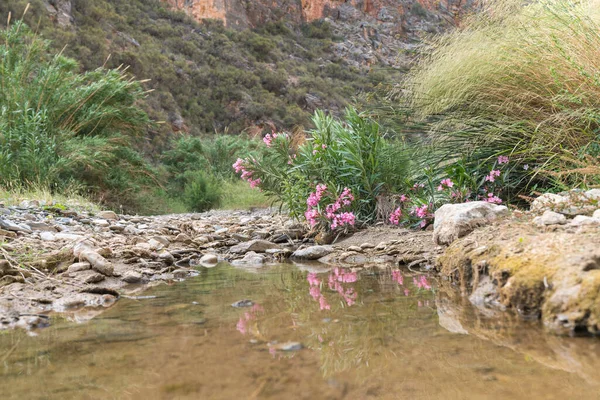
[(315, 197), (421, 282), (332, 213), (397, 277), (445, 184), (241, 166), (491, 198), (423, 213), (503, 160), (395, 216), (268, 139), (493, 175)]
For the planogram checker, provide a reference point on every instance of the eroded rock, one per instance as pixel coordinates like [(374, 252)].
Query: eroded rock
[(453, 221)]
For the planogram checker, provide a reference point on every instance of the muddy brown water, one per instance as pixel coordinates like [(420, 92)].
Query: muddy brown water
[(376, 334)]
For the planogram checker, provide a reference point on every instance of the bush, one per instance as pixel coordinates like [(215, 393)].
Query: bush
[(201, 192), (349, 160), (58, 126)]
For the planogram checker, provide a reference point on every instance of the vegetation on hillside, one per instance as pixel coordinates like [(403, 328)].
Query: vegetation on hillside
[(217, 79)]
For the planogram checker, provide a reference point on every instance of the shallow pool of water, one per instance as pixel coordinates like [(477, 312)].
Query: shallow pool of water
[(375, 334)]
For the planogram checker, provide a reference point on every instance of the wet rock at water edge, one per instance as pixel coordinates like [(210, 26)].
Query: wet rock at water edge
[(209, 260), (243, 303), (257, 245), (251, 258), (181, 273), (312, 253), (453, 221)]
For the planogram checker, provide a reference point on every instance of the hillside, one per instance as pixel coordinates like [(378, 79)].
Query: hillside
[(262, 66)]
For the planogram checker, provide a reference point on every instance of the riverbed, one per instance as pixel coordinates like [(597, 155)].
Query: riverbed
[(295, 332)]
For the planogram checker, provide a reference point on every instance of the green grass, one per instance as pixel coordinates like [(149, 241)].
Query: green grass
[(237, 195), (519, 79), (67, 198)]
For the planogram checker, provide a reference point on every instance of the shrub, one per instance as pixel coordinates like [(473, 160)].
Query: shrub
[(59, 126), (346, 156), (201, 192)]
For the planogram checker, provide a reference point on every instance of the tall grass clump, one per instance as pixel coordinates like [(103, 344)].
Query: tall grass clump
[(61, 128), (520, 79)]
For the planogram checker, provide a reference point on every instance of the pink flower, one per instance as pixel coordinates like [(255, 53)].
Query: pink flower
[(445, 183), (242, 326), (323, 146), (238, 166), (312, 216), (492, 176), (421, 282), (268, 139), (421, 212), (395, 216), (254, 182), (323, 303), (493, 199), (314, 152), (403, 198), (503, 160)]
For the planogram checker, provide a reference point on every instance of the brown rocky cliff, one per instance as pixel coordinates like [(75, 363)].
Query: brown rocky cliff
[(244, 14)]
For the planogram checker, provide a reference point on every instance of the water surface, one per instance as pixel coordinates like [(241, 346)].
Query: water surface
[(376, 334)]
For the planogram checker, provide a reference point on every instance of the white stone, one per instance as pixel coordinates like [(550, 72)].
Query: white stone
[(453, 221), (313, 252), (580, 220), (110, 215), (258, 245), (547, 201), (550, 218), (47, 236)]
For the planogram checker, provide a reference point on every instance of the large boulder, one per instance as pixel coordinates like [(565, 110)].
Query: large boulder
[(453, 221)]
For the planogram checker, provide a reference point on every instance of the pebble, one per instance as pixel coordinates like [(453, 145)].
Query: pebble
[(110, 215), (243, 303), (132, 277), (78, 267), (550, 218), (209, 259), (181, 273)]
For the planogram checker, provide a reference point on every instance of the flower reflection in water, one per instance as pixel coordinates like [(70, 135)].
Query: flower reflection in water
[(243, 323)]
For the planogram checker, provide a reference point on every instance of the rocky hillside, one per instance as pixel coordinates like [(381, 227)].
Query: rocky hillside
[(370, 32), (262, 66)]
